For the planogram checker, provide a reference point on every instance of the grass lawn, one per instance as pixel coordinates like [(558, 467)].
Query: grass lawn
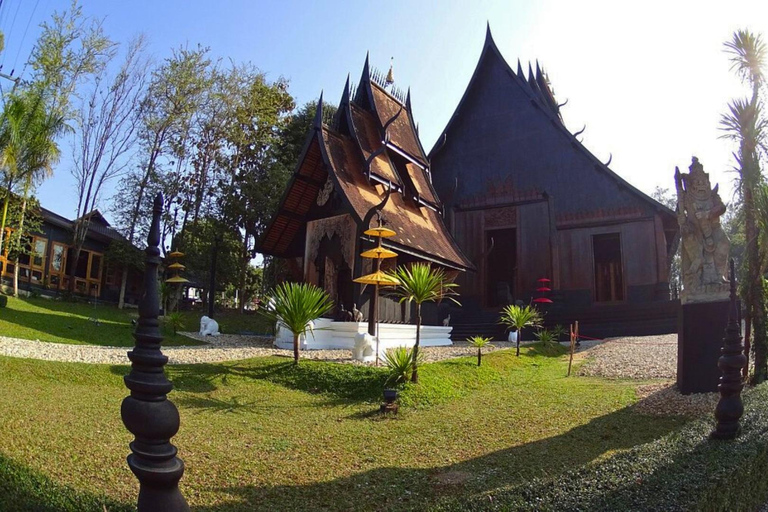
[(265, 435), (70, 322)]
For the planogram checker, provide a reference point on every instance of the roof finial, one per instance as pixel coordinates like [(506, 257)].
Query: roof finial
[(391, 75)]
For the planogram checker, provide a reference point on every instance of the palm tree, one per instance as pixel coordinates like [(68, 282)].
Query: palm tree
[(745, 124), (28, 148), (420, 283), (479, 343), (518, 318), (295, 305)]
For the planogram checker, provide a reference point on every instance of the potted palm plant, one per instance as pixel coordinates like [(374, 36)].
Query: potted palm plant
[(420, 283), (519, 317), (295, 305)]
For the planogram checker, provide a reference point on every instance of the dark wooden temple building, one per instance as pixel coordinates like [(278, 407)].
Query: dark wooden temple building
[(351, 162), (525, 200)]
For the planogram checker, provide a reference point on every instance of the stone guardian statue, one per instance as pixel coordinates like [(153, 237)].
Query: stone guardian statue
[(704, 244)]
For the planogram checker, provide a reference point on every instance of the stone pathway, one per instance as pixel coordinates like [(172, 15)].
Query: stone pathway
[(217, 349)]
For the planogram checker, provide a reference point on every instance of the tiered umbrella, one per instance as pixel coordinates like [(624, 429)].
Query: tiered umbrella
[(176, 268), (378, 278), (543, 289)]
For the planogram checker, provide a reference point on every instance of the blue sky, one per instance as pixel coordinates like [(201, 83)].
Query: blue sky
[(649, 80)]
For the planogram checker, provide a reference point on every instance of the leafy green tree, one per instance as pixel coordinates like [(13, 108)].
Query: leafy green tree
[(745, 124), (518, 318), (172, 98), (254, 180), (420, 283), (295, 305), (479, 342)]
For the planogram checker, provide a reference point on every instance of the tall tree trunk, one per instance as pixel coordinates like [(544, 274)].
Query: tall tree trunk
[(5, 214), (479, 356), (245, 261), (123, 284), (754, 285), (20, 238), (296, 348), (415, 376)]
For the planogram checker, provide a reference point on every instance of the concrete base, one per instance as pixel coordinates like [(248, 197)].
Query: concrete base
[(329, 334), (701, 328)]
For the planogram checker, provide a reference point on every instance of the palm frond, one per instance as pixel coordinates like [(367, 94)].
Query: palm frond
[(421, 283), (297, 304), (520, 317)]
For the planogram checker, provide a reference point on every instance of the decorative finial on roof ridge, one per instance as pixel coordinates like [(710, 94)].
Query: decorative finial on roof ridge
[(408, 99), (520, 73), (391, 74), (488, 35)]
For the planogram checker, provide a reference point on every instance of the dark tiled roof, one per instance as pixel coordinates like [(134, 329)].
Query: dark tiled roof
[(402, 133), (419, 229), (299, 197), (97, 229), (367, 134)]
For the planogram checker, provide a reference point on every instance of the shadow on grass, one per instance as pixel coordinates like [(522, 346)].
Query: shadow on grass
[(392, 488), (343, 382), (24, 489)]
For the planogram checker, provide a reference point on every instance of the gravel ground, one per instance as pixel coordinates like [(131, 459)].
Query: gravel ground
[(220, 348), (644, 357)]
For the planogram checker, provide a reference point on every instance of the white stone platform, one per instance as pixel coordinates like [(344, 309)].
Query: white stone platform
[(329, 334)]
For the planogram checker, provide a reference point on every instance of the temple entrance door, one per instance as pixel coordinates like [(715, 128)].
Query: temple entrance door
[(334, 274), (501, 267)]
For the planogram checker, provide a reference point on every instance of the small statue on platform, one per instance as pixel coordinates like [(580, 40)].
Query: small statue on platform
[(447, 320), (209, 327), (704, 244), (357, 315)]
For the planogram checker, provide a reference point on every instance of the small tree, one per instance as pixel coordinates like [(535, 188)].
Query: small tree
[(295, 305), (479, 343), (519, 317), (421, 283)]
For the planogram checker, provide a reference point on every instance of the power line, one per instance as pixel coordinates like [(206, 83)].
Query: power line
[(23, 37)]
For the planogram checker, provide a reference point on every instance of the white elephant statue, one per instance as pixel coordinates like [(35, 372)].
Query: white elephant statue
[(365, 347), (209, 327)]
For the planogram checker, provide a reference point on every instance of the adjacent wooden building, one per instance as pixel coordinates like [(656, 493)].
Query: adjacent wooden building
[(48, 266), (525, 200), (367, 155)]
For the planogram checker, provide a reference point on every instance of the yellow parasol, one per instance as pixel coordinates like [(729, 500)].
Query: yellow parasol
[(377, 278), (176, 279), (378, 253), (176, 266), (176, 254), (380, 232)]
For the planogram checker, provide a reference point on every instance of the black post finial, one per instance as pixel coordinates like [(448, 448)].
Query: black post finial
[(730, 407), (146, 412)]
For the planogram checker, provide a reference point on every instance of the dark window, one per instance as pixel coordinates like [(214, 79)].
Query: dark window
[(81, 270), (609, 275), (95, 266)]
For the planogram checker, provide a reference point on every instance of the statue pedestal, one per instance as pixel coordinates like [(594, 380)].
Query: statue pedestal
[(700, 332)]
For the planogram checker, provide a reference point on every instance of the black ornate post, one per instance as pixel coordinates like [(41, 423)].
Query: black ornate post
[(730, 407), (147, 413)]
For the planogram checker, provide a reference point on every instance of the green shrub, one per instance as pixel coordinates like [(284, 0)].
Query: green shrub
[(176, 321), (399, 361)]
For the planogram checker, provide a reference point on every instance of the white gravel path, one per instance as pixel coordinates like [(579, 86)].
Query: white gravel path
[(217, 349), (643, 357)]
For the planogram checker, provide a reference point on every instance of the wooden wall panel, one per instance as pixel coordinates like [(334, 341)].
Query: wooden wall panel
[(533, 245), (638, 248)]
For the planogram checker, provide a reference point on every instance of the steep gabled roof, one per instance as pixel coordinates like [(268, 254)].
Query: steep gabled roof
[(342, 157), (538, 90)]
